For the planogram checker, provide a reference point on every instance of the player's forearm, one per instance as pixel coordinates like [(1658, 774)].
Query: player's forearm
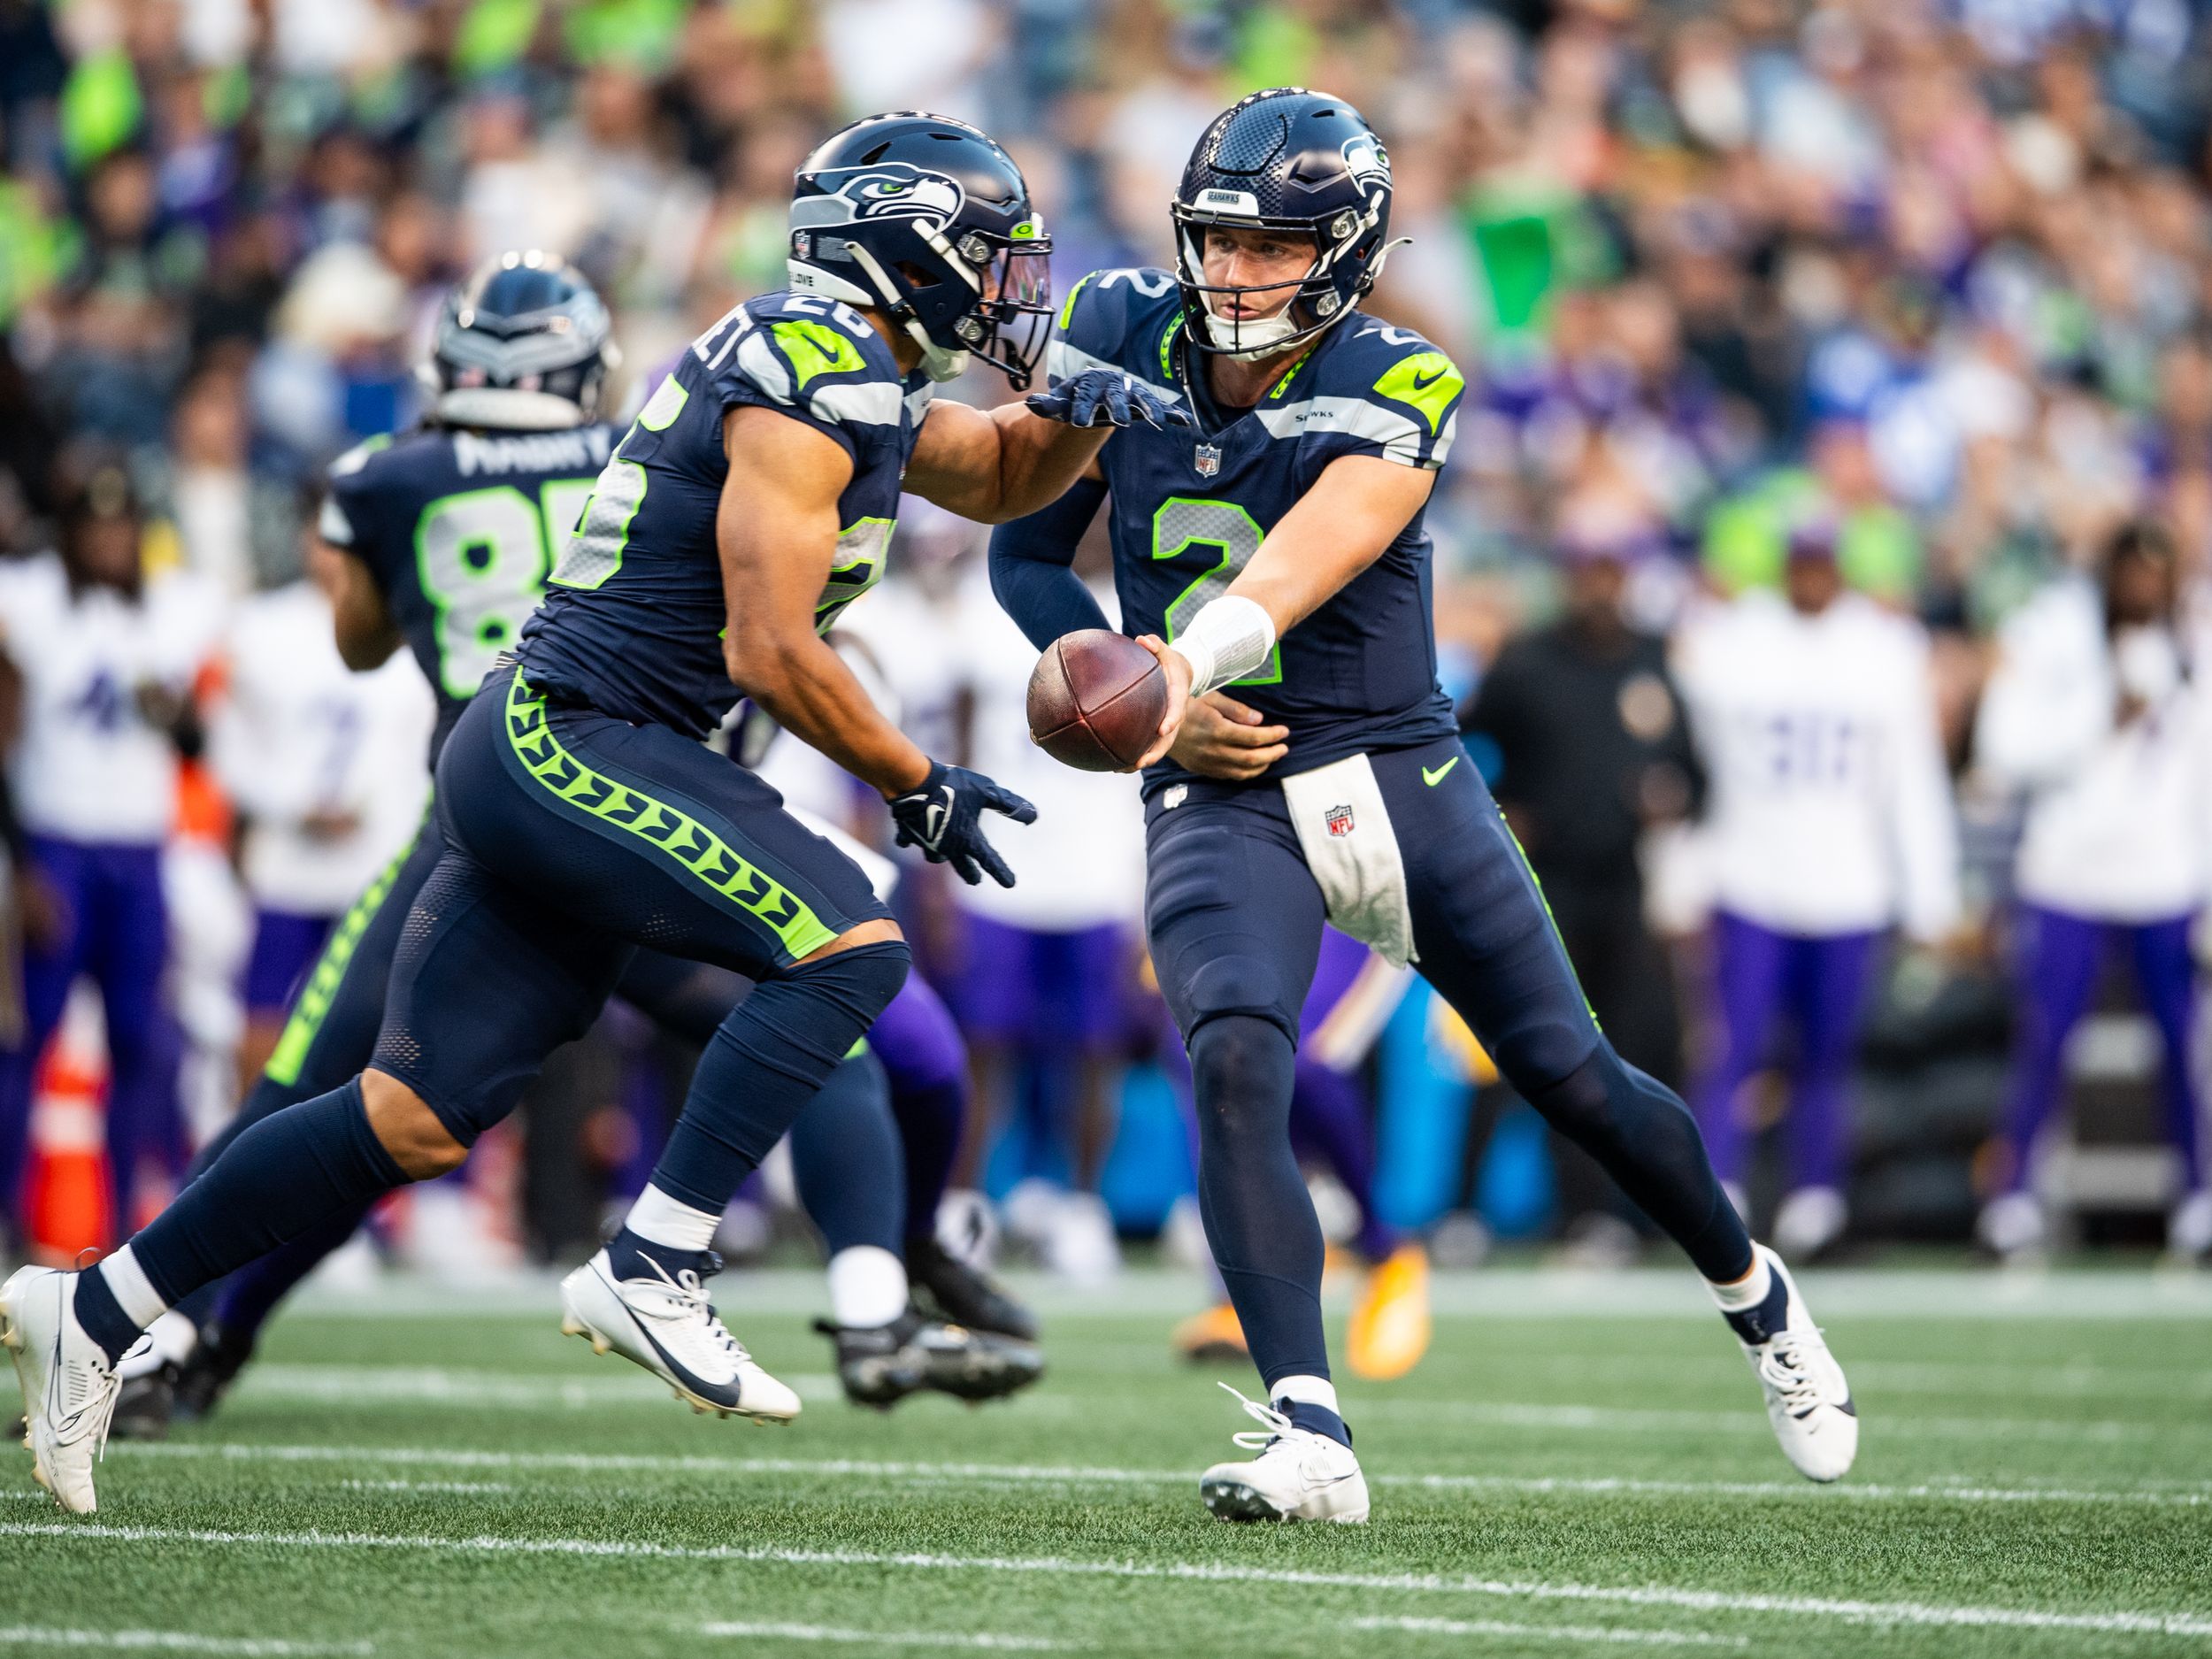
[(1032, 567), (806, 687), (1038, 459)]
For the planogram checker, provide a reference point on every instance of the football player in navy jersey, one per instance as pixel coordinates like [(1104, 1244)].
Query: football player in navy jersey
[(1275, 561), (445, 533), (747, 505)]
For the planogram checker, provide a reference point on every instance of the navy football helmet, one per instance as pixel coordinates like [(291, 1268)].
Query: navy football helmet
[(524, 345), (928, 220), (1291, 160)]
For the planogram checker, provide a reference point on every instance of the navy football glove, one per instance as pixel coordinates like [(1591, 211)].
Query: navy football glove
[(944, 817), (1108, 397)]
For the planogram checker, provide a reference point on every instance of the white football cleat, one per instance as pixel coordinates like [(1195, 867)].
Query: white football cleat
[(2012, 1228), (1809, 1220), (1298, 1476), (667, 1324), (1808, 1400), (2189, 1230), (69, 1387)]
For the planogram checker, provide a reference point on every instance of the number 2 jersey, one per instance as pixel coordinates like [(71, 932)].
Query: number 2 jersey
[(457, 530), (1189, 508), (634, 611)]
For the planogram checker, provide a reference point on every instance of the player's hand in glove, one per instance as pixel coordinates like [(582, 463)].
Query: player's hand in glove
[(944, 817), (1108, 397)]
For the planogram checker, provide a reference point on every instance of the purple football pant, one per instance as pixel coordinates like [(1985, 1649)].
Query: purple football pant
[(1048, 993), (2058, 958), (926, 1063), (1820, 982), (114, 928), (285, 947)]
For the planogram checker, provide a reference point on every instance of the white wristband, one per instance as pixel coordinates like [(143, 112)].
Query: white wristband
[(1227, 640)]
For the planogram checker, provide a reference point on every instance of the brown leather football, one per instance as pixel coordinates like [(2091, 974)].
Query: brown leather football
[(1095, 699)]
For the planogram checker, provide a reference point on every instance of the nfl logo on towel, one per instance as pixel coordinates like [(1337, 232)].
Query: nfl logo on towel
[(1338, 818), (1208, 460)]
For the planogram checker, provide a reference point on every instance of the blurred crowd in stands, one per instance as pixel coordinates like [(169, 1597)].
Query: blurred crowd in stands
[(1823, 557)]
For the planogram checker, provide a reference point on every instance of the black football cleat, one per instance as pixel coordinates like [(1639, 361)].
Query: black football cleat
[(144, 1405), (963, 1295), (881, 1366), (204, 1378)]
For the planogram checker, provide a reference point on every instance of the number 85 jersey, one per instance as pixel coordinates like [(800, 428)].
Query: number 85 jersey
[(1190, 507), (457, 530)]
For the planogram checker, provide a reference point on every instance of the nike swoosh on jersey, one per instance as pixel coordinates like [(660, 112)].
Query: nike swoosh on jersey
[(1422, 382), (1435, 776)]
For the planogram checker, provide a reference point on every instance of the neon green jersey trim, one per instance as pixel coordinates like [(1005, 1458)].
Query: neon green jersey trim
[(1426, 382), (816, 349), (701, 854), (1067, 309)]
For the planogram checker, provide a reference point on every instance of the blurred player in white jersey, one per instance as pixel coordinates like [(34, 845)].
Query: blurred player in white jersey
[(2093, 711), (107, 656), (1829, 821), (1045, 989), (325, 767)]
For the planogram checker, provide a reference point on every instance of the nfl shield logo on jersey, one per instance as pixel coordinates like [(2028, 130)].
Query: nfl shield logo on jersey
[(1338, 818), (1208, 460)]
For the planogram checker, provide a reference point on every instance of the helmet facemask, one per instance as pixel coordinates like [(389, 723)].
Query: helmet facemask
[(1319, 299)]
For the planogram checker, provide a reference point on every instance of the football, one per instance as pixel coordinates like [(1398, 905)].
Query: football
[(1096, 699)]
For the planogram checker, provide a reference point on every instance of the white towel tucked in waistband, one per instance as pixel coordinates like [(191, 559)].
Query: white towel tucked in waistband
[(1345, 831)]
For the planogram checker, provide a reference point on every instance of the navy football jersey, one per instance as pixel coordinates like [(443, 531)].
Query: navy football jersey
[(1189, 508), (457, 530), (633, 616)]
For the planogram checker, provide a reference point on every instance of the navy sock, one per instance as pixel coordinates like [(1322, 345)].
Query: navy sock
[(1259, 1220), (276, 1180), (1320, 1420), (846, 1160), (103, 1317), (1758, 1325), (766, 1061), (628, 1256)]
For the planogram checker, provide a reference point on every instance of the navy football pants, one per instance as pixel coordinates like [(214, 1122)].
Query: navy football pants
[(336, 1020), (1235, 917)]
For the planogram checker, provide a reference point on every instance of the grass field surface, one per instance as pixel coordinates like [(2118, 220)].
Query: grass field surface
[(1580, 1466)]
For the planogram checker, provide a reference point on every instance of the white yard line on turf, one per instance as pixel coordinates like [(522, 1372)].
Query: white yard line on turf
[(2139, 1622), (468, 1486), (368, 1385), (885, 1638), (1948, 1294), (1644, 1420), (170, 1641), (1030, 1474), (1620, 1634)]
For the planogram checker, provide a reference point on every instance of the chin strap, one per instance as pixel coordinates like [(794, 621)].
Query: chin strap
[(939, 364)]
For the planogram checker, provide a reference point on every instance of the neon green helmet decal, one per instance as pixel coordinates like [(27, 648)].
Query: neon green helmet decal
[(816, 349), (1427, 382)]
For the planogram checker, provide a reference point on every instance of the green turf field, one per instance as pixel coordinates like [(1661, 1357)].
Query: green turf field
[(1580, 1466)]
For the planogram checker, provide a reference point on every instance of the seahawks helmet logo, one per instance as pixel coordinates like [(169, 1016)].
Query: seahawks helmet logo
[(895, 190), (1364, 158)]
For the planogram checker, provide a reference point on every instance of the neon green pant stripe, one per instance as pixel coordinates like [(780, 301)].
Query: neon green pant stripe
[(313, 1004), (1541, 898), (690, 845)]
